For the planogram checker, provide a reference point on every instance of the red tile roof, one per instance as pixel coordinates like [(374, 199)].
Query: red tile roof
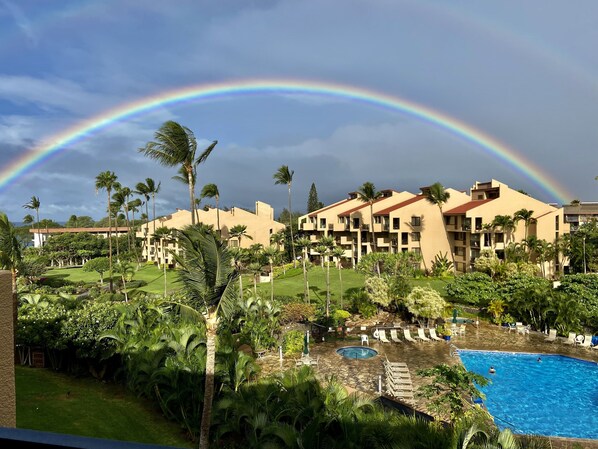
[(460, 210), (398, 206), (316, 212), (76, 230), (350, 211)]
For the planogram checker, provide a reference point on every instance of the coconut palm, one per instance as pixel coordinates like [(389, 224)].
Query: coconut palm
[(176, 145), (208, 277), (10, 258), (526, 216), (28, 219), (211, 191), (304, 244), (325, 246), (163, 234), (507, 225), (34, 204), (272, 253), (121, 200), (183, 178), (438, 195), (338, 253), (148, 190), (367, 193), (107, 180), (239, 231), (284, 176)]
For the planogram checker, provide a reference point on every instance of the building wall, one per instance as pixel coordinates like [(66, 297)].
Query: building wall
[(260, 226), (7, 355)]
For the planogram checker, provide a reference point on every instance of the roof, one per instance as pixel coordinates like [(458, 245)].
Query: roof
[(361, 206), (316, 212), (398, 206), (463, 208), (77, 230)]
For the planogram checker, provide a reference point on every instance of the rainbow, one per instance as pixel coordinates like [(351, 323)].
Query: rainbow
[(63, 140)]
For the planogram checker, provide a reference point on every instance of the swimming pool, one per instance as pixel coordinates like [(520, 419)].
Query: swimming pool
[(557, 396)]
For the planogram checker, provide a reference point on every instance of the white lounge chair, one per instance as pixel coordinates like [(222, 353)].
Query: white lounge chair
[(394, 337), (433, 335), (521, 329), (570, 339), (382, 336), (551, 336), (587, 341), (421, 335), (408, 336)]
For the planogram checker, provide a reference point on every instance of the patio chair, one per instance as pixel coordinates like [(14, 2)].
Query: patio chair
[(570, 339), (462, 329), (587, 341), (408, 337), (579, 339), (521, 329), (314, 362), (382, 336), (433, 335), (364, 339), (551, 336), (421, 335), (394, 336)]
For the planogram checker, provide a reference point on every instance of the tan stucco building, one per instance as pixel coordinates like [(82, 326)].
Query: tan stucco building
[(260, 226), (405, 221)]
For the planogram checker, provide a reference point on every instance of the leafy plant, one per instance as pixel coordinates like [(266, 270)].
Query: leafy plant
[(292, 342)]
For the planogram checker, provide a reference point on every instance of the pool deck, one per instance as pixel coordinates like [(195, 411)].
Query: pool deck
[(363, 375)]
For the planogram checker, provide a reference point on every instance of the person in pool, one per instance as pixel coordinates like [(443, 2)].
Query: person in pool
[(491, 370)]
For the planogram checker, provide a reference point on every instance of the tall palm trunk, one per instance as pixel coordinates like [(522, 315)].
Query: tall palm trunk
[(340, 278), (327, 288), (38, 231), (305, 289), (191, 193), (206, 416), (291, 228), (271, 281), (110, 241), (218, 215)]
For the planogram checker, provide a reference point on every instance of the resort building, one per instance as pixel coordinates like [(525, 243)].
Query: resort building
[(404, 221), (260, 226), (579, 213), (41, 236)]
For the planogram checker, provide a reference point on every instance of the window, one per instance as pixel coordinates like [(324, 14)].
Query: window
[(556, 222), (416, 250), (396, 223), (404, 238), (377, 219), (322, 222), (415, 236), (416, 221), (499, 237), (356, 222), (478, 223), (487, 240)]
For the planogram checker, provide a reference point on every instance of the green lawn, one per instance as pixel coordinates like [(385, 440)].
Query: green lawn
[(148, 273), (55, 402)]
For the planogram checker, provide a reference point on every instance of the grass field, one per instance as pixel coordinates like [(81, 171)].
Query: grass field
[(55, 402), (148, 273)]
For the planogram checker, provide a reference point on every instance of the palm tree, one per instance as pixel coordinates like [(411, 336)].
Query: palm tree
[(326, 244), (284, 176), (271, 252), (208, 276), (121, 200), (163, 234), (211, 191), (367, 193), (526, 216), (176, 145), (438, 195), (183, 178), (28, 219), (338, 253), (148, 190), (506, 223), (239, 231), (10, 258), (304, 243), (107, 180), (34, 204)]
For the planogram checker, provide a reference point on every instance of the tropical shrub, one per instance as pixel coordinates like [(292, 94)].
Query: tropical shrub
[(425, 302), (392, 264), (472, 288), (297, 312), (441, 265), (292, 342), (377, 290), (339, 316), (40, 324), (361, 304)]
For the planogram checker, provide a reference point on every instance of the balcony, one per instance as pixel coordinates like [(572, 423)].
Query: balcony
[(308, 226)]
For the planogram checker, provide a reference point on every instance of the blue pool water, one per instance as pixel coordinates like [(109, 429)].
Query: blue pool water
[(555, 397), (357, 352)]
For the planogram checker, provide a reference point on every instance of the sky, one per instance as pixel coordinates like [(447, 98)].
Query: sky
[(524, 74)]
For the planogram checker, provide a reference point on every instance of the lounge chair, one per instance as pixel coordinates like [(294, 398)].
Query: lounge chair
[(521, 329), (570, 339), (433, 335), (421, 335), (394, 337), (408, 336), (382, 336), (314, 362), (587, 341), (551, 336)]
